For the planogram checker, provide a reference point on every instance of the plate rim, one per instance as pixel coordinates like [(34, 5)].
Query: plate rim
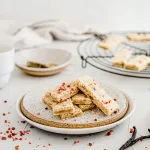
[(76, 131)]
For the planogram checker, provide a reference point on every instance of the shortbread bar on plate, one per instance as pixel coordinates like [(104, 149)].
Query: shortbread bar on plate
[(81, 99), (77, 112), (64, 91), (138, 63), (111, 42), (100, 98), (121, 57), (138, 37), (65, 106), (48, 102), (87, 107)]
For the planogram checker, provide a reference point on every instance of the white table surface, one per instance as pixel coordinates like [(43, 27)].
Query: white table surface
[(20, 83)]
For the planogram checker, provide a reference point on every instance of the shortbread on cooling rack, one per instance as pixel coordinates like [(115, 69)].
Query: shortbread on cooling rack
[(111, 42), (138, 63), (121, 57), (141, 37)]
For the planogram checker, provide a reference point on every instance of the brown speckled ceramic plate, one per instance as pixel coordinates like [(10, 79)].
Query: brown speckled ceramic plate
[(32, 109)]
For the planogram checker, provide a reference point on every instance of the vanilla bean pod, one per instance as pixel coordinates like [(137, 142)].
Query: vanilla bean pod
[(138, 139), (130, 140), (133, 141)]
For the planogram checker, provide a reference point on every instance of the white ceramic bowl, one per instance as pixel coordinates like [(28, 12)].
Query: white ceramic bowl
[(44, 56), (6, 64)]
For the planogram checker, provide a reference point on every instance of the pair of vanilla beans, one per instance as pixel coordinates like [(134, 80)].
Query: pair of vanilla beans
[(132, 140)]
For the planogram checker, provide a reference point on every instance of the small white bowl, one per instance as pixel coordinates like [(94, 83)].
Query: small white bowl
[(43, 55)]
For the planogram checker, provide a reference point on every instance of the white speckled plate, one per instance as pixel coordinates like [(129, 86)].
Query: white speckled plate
[(35, 108)]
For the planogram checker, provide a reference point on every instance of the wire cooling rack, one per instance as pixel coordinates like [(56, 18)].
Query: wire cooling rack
[(99, 58)]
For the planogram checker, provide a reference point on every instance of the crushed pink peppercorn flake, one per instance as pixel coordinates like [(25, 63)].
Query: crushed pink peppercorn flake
[(5, 101), (63, 84), (3, 138), (32, 127), (140, 61), (75, 142), (17, 147), (109, 133), (106, 102), (13, 128), (131, 130), (38, 113), (23, 121), (30, 143), (72, 89), (49, 144)]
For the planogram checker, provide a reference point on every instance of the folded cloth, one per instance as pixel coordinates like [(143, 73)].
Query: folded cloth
[(44, 32)]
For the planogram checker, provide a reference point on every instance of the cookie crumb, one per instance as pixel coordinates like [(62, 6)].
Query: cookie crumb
[(75, 142), (90, 144), (17, 147), (4, 114)]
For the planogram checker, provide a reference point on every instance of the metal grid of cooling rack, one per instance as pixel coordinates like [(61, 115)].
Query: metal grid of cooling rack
[(91, 54)]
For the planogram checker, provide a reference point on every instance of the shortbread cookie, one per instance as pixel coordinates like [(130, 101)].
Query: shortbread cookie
[(111, 42), (139, 36), (65, 106), (40, 65), (48, 102), (121, 57), (66, 90), (77, 112), (138, 63), (100, 98), (47, 99), (87, 107), (81, 99)]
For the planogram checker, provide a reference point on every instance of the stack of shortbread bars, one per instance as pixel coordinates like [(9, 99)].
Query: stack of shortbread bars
[(72, 99)]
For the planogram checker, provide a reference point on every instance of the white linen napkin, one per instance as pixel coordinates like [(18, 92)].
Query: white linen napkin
[(44, 32)]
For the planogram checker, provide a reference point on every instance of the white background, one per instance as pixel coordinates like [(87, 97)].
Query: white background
[(107, 14)]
